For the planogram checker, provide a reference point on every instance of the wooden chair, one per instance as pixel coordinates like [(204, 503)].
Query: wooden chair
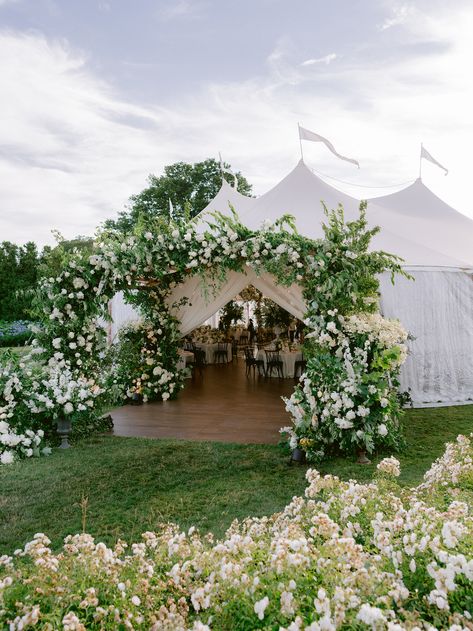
[(273, 361), (234, 349), (221, 353), (199, 362), (300, 365), (252, 362)]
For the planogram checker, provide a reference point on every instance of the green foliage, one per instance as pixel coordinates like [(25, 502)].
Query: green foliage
[(232, 313), (18, 279), (15, 333), (53, 260), (189, 187), (268, 315)]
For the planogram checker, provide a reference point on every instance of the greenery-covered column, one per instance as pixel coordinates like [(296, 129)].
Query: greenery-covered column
[(348, 398), (146, 359)]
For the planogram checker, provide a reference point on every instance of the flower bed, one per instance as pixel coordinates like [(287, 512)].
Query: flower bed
[(347, 555), (16, 333)]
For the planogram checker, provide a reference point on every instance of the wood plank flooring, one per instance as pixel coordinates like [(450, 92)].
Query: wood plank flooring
[(222, 405)]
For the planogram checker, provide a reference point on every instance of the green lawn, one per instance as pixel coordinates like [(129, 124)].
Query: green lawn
[(134, 484)]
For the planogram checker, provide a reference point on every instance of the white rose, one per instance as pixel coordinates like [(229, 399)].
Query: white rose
[(7, 457), (382, 429)]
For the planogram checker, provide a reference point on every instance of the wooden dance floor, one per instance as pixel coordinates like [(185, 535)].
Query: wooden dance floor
[(222, 405)]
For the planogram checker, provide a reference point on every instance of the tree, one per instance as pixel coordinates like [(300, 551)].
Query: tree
[(232, 313), (18, 278), (54, 259), (269, 314), (189, 188)]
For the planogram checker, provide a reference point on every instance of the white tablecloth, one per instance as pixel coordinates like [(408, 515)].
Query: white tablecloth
[(288, 359), (210, 351), (185, 357)]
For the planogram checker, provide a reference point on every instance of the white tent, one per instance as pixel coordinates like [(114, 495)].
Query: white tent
[(437, 308), (417, 211), (226, 197), (301, 194)]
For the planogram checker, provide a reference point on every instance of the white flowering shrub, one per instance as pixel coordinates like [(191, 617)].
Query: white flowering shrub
[(348, 397), (19, 436), (32, 397), (138, 363), (345, 556)]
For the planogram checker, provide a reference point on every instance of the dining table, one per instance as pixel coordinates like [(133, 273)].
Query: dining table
[(288, 359), (185, 358), (210, 347)]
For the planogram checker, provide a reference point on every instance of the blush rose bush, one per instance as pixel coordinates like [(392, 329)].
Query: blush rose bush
[(345, 556)]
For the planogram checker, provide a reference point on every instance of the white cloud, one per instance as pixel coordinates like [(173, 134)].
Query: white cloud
[(320, 60), (400, 15), (176, 9), (73, 151)]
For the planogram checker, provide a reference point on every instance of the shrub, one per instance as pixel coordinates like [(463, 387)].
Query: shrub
[(15, 333), (348, 555)]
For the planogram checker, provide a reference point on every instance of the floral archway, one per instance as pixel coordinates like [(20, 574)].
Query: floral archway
[(348, 396)]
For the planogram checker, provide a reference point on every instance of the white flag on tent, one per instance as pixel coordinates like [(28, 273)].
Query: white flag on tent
[(425, 154), (306, 134)]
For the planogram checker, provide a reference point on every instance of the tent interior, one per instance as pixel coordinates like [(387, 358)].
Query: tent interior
[(432, 238)]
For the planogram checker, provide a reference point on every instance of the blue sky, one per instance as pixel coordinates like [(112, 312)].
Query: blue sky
[(97, 94)]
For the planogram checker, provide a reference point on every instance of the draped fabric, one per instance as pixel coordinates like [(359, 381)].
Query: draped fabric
[(122, 313), (289, 298), (203, 303), (437, 310)]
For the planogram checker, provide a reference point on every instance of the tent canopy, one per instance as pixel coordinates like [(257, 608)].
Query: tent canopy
[(301, 194), (416, 211)]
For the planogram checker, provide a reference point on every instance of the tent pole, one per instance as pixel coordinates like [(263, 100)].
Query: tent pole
[(221, 166), (300, 141)]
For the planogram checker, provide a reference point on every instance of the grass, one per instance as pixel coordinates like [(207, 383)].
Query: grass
[(17, 350), (133, 484)]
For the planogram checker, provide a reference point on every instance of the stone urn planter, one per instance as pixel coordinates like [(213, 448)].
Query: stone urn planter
[(64, 429), (298, 455), (136, 399), (362, 457)]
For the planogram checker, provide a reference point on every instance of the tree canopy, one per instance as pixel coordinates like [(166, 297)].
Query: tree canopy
[(187, 187), (18, 278)]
